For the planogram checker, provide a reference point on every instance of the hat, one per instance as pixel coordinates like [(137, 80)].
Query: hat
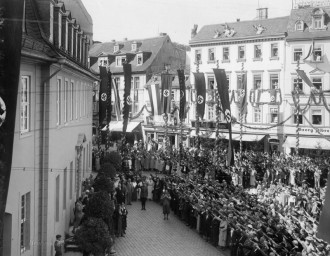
[(58, 236)]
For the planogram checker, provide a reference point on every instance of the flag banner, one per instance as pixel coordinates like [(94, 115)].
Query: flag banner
[(182, 84), (222, 83), (103, 94), (303, 76), (118, 105), (272, 95), (11, 17), (242, 95), (154, 96), (310, 51), (166, 93), (109, 106), (201, 93), (127, 92), (324, 226)]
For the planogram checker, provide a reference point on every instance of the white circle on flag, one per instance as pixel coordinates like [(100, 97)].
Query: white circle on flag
[(2, 111), (181, 94), (228, 115), (272, 98), (129, 101), (166, 93), (242, 93), (104, 96), (200, 99)]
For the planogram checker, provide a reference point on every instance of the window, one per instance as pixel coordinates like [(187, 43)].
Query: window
[(211, 112), (298, 84), (72, 101), (317, 116), (257, 115), (198, 56), (59, 29), (77, 100), (25, 104), (257, 51), (58, 101), (317, 82), (298, 118), (57, 198), (274, 81), (134, 46), (80, 100), (297, 53), (116, 48), (257, 82), (210, 83), (25, 222), (274, 50), (211, 55), (299, 25), (120, 60), (172, 95), (139, 59), (103, 62), (241, 52), (273, 115), (65, 173), (317, 54), (71, 179), (72, 40), (225, 53), (51, 22), (136, 84), (66, 89), (317, 23), (239, 82), (66, 34), (76, 44)]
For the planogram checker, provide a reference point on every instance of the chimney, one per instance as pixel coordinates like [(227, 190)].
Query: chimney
[(162, 34), (262, 13), (113, 40), (238, 20), (125, 38), (194, 31)]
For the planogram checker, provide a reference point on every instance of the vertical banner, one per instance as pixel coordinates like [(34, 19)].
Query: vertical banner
[(182, 84), (324, 225), (242, 95), (11, 16), (127, 92), (201, 93), (154, 96), (222, 83), (166, 93), (118, 106), (109, 106), (103, 97)]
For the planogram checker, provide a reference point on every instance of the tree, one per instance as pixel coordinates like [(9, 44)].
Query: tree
[(100, 206), (103, 183), (93, 236), (113, 158), (108, 169)]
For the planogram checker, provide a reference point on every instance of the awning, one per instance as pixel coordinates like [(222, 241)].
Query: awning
[(311, 143), (117, 126), (248, 137)]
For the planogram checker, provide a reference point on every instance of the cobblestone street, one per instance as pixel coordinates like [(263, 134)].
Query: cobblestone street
[(149, 234)]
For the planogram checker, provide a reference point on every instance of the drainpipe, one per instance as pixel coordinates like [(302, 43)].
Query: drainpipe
[(43, 199)]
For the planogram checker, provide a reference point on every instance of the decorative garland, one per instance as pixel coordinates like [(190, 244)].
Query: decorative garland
[(140, 112), (316, 129)]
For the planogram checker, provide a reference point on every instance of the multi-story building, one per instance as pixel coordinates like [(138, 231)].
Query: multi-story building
[(148, 58), (308, 42), (53, 133), (255, 48)]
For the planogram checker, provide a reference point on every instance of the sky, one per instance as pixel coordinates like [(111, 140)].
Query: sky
[(138, 19)]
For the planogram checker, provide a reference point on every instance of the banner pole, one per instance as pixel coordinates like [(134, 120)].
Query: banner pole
[(241, 119), (197, 116), (297, 110)]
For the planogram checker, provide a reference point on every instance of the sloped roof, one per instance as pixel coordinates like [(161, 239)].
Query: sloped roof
[(305, 15), (243, 29), (149, 45)]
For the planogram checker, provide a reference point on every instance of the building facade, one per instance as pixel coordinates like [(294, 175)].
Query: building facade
[(53, 133), (266, 51)]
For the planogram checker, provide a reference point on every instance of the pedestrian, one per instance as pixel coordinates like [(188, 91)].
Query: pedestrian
[(150, 184), (144, 195), (129, 188), (122, 220), (166, 198), (120, 194), (58, 245), (78, 214)]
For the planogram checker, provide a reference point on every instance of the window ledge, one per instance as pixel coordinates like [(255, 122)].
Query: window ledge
[(210, 61), (225, 61), (274, 58), (26, 134), (257, 59), (241, 60)]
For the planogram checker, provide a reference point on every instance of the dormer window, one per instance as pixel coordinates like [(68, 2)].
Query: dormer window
[(317, 23), (116, 48), (299, 25), (120, 60), (139, 59), (134, 46), (318, 19), (103, 61)]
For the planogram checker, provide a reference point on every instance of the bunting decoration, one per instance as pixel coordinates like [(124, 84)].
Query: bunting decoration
[(127, 91), (303, 76), (154, 96), (11, 17), (311, 50), (182, 93), (103, 94), (166, 93), (222, 83), (109, 106), (201, 93)]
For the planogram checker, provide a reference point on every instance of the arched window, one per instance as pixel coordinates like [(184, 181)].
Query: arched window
[(299, 25)]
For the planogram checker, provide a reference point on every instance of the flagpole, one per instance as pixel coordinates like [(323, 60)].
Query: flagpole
[(108, 115), (241, 119), (181, 128), (197, 116), (165, 117), (217, 133)]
